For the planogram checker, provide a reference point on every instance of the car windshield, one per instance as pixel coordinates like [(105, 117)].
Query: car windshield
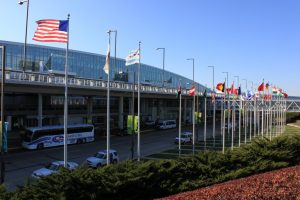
[(52, 167), (100, 155)]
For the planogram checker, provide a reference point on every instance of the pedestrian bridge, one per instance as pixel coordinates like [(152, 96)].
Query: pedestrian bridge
[(33, 78)]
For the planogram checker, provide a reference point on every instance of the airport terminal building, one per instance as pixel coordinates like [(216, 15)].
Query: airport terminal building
[(35, 97)]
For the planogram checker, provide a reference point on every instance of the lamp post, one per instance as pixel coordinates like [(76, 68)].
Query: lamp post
[(214, 112), (25, 43), (193, 112), (163, 75), (2, 172), (238, 80)]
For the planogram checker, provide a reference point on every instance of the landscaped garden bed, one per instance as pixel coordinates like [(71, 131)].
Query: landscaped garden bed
[(277, 184)]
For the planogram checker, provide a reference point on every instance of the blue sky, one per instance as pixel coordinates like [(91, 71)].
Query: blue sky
[(253, 39)]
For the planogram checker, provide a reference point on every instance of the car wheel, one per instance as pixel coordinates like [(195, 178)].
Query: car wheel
[(99, 165), (40, 146), (79, 141)]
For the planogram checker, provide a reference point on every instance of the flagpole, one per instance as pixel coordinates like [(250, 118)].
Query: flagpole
[(205, 122), (262, 112), (240, 115), (179, 126), (108, 109), (224, 118), (139, 102), (214, 106), (193, 110), (66, 102)]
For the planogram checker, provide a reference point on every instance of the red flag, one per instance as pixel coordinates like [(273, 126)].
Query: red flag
[(220, 87), (285, 95), (192, 91), (261, 87), (231, 89)]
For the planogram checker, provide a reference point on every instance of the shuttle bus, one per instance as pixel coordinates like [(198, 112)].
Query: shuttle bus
[(50, 136)]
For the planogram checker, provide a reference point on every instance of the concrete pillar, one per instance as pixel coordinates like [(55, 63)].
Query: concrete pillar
[(121, 117), (89, 110), (154, 110), (40, 110)]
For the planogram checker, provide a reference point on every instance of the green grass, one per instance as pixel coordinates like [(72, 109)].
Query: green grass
[(187, 149)]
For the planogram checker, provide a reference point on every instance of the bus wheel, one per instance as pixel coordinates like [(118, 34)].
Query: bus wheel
[(40, 146)]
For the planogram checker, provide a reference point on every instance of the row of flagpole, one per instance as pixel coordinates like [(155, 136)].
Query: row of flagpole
[(257, 114), (134, 58)]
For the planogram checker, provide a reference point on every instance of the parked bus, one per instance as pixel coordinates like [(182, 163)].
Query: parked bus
[(49, 136)]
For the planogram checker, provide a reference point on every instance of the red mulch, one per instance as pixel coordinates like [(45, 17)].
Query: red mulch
[(278, 184)]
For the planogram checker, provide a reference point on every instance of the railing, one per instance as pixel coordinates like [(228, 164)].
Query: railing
[(46, 79)]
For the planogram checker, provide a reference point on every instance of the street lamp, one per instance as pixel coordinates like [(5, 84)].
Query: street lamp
[(246, 84), (163, 75), (2, 163), (238, 80), (193, 60), (25, 43)]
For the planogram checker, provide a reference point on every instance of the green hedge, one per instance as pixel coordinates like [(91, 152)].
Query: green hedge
[(150, 179), (292, 117)]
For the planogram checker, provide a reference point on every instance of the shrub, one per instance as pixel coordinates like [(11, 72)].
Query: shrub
[(157, 178)]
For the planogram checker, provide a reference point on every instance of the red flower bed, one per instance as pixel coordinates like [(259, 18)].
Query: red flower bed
[(278, 184)]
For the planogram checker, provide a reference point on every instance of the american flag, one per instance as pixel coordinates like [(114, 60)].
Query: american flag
[(51, 30)]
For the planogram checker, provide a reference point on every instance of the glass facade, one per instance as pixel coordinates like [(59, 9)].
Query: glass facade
[(87, 65)]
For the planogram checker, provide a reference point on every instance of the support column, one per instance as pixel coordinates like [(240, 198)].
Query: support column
[(121, 108), (40, 110), (89, 110)]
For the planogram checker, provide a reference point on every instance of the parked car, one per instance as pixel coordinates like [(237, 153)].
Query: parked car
[(99, 158), (166, 124), (185, 137), (150, 123), (53, 167)]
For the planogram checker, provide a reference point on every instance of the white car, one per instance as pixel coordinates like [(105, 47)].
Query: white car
[(185, 137), (99, 158), (53, 167)]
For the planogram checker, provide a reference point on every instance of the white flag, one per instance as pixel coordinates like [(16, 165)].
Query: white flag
[(106, 66), (133, 58)]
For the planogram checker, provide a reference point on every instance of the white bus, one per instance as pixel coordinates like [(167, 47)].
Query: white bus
[(50, 136)]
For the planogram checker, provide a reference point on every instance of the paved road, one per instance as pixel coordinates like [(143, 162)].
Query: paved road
[(20, 165)]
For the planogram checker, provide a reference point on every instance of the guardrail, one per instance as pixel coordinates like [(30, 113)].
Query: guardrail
[(38, 78)]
